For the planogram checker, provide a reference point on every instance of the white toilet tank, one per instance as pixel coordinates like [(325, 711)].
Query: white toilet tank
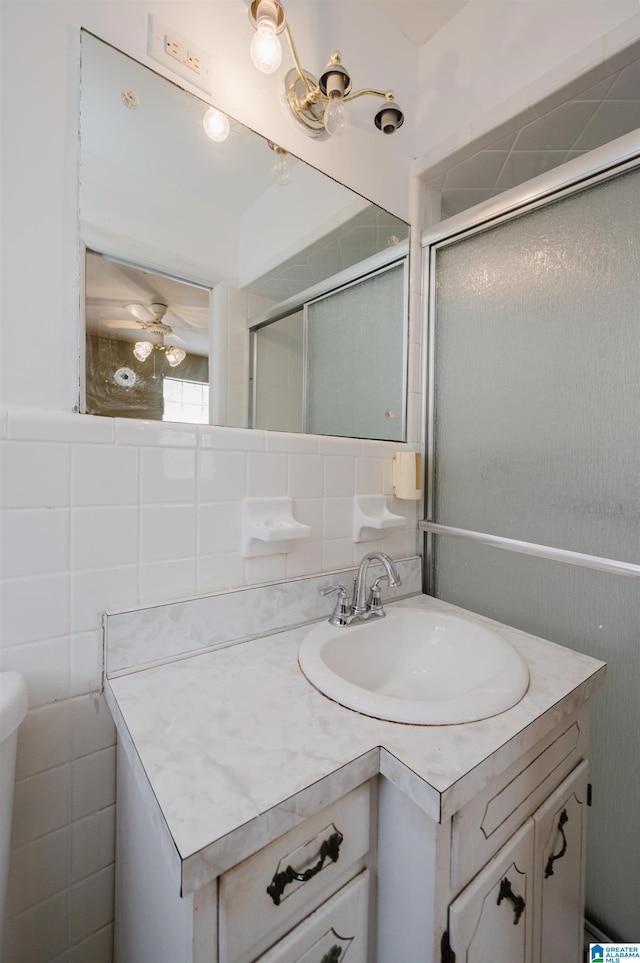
[(13, 708)]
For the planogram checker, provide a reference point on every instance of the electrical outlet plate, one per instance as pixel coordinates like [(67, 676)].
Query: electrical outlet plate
[(179, 54)]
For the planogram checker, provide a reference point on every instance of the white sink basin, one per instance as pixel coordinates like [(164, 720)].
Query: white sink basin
[(415, 666)]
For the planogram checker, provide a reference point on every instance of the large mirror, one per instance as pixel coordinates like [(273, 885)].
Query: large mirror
[(225, 281)]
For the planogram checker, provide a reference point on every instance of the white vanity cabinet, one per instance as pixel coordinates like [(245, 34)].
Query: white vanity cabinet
[(254, 912), (232, 768), (501, 880)]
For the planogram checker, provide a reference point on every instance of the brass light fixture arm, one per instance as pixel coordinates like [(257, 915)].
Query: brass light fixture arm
[(370, 92), (307, 96), (313, 92)]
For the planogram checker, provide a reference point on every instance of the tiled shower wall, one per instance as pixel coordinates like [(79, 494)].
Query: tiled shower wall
[(100, 514)]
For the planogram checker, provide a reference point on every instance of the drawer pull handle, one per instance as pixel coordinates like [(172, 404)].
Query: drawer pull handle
[(330, 849), (333, 955), (549, 867), (518, 903)]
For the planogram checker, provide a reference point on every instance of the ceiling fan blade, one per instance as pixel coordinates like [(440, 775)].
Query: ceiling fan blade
[(141, 312), (124, 323), (177, 338)]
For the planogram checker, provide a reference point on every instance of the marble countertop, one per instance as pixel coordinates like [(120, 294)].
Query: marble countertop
[(234, 747)]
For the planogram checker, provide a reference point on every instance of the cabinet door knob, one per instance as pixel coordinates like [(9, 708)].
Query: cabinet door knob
[(518, 903), (330, 849), (549, 867)]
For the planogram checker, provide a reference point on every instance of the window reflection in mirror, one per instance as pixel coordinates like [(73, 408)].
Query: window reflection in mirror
[(159, 198)]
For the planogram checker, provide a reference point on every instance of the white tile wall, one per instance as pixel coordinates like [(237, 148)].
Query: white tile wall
[(85, 661), (21, 620), (97, 947), (103, 537), (91, 906), (99, 514), (23, 481), (34, 541), (104, 475), (167, 532), (92, 843), (40, 933), (167, 475), (170, 579)]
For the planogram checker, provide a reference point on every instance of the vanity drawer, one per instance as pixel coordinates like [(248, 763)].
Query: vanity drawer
[(250, 918), (481, 827), (338, 926)]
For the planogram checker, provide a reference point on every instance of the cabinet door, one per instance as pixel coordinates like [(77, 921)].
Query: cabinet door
[(560, 826), (491, 918)]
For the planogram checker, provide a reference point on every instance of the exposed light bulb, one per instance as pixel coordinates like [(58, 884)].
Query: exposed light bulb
[(216, 125), (336, 115), (281, 168), (175, 355), (265, 48)]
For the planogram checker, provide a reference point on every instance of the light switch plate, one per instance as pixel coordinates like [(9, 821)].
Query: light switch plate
[(179, 54)]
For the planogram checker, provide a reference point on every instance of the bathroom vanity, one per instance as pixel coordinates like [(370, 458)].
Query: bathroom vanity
[(258, 820)]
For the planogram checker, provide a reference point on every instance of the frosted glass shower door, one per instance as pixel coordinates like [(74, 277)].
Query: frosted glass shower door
[(358, 336), (536, 434)]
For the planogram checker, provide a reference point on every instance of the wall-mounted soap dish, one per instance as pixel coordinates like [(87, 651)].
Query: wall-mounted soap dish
[(371, 516), (269, 528)]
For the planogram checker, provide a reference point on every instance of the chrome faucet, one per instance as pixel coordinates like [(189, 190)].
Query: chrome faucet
[(359, 610)]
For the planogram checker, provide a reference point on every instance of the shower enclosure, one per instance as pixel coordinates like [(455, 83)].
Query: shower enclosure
[(336, 362), (533, 513)]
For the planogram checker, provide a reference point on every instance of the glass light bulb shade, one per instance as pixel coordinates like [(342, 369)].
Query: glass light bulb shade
[(216, 125), (281, 168), (265, 48), (336, 116), (175, 355), (142, 350)]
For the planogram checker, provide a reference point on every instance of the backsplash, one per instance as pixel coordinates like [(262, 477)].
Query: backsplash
[(162, 632)]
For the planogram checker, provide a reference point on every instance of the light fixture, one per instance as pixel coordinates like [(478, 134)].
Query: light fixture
[(318, 105), (142, 350), (280, 167), (173, 354), (216, 125)]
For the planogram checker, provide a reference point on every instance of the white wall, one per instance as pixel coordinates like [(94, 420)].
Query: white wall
[(99, 514)]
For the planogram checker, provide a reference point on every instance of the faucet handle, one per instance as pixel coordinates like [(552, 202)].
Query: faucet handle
[(335, 588), (374, 602), (341, 615)]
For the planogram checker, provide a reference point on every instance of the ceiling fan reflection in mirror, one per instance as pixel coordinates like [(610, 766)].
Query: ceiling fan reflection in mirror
[(151, 321)]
